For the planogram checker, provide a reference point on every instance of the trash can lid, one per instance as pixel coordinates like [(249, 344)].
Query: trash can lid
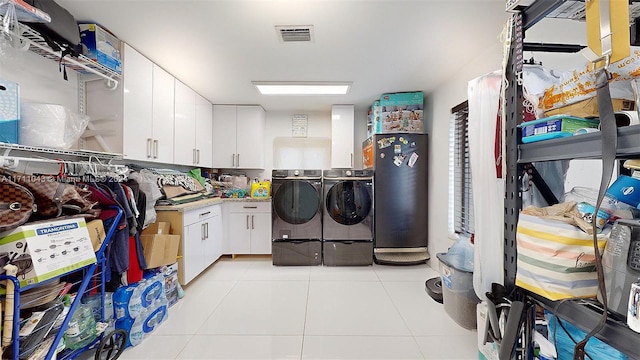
[(456, 261)]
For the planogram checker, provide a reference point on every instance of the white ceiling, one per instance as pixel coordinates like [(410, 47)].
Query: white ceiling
[(218, 47)]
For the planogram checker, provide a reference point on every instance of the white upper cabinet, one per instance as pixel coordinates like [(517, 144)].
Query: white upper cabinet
[(224, 136), (163, 115), (342, 133), (185, 125), (137, 119), (238, 136), (204, 131), (138, 106)]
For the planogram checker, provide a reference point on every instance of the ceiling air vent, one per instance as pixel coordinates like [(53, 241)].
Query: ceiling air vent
[(295, 33)]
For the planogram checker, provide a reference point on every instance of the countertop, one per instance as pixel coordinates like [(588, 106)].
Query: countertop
[(206, 202)]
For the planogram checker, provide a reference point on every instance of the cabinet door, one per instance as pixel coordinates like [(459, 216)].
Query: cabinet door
[(224, 136), (251, 124), (240, 233), (342, 117), (204, 132), (213, 242), (192, 253), (163, 113), (261, 233), (185, 125), (137, 108)]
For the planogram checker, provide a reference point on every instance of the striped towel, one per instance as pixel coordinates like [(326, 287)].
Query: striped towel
[(555, 259)]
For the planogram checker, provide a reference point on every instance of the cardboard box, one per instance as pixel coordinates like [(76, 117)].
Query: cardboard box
[(401, 112), (9, 112), (160, 249), (589, 108), (48, 249), (161, 227), (367, 154), (96, 233), (101, 46)]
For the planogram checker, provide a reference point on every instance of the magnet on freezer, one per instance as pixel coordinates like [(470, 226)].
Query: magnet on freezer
[(412, 159)]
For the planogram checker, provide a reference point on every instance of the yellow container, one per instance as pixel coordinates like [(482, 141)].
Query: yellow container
[(260, 189)]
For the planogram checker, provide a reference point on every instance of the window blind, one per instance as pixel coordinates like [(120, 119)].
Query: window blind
[(460, 171)]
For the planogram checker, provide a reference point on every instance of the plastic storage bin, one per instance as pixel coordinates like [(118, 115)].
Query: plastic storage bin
[(459, 298)]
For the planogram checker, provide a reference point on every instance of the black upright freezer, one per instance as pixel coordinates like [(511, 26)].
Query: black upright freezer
[(400, 198)]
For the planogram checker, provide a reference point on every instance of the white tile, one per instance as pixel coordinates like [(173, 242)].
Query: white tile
[(242, 347), (189, 313), (419, 311), (343, 273), (360, 347), (352, 308), (260, 308), (224, 269), (449, 347), (157, 347), (265, 270), (404, 272)]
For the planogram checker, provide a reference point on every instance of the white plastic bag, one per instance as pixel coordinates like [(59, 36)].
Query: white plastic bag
[(50, 125)]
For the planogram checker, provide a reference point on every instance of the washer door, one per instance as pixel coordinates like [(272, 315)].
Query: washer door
[(348, 202), (296, 202)]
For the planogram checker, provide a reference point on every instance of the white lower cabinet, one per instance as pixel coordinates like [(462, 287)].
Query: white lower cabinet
[(201, 238), (247, 227)]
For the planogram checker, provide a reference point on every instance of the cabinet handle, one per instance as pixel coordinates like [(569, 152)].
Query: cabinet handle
[(205, 213), (250, 207), (247, 222), (149, 141), (198, 156), (201, 231), (155, 149), (206, 230), (193, 156), (252, 225), (238, 156), (351, 160)]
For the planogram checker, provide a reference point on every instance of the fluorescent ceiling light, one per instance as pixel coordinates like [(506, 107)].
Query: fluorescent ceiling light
[(302, 88)]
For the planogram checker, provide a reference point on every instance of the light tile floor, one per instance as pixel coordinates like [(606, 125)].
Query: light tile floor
[(246, 308)]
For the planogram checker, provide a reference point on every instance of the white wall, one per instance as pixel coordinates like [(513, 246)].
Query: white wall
[(279, 125), (39, 78)]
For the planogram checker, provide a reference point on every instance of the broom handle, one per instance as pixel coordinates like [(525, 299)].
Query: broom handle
[(7, 328)]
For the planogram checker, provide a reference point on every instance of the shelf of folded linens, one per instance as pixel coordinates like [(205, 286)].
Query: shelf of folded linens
[(584, 146), (585, 314)]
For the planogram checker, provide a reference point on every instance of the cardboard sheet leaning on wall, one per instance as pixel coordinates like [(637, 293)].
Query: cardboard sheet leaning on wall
[(580, 84)]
